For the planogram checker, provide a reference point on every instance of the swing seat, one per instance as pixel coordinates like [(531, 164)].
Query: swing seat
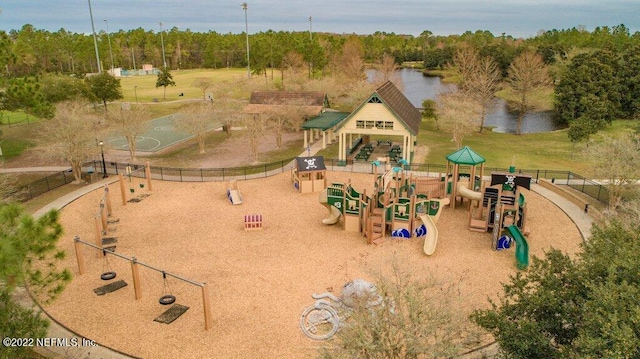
[(108, 275), (111, 287), (167, 299), (171, 314)]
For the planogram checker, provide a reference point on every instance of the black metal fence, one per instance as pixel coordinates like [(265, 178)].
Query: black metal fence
[(565, 178)]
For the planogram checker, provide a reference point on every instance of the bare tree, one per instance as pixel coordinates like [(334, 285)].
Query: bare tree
[(8, 187), (70, 136), (196, 119), (412, 319), (479, 78), (386, 70), (294, 66), (254, 130), (130, 123), (527, 76), (203, 83), (482, 85), (616, 161), (458, 115), (229, 112), (350, 64)]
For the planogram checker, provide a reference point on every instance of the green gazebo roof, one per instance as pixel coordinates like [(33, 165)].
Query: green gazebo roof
[(325, 120), (465, 156)]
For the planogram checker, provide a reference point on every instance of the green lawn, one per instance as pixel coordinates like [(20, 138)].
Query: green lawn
[(145, 86)]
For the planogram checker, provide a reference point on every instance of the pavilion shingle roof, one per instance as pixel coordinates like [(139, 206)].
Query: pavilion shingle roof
[(262, 101), (399, 104)]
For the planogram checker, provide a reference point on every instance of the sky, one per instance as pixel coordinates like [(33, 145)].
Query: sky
[(518, 18)]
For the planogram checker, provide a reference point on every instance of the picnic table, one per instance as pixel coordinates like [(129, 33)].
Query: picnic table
[(384, 142)]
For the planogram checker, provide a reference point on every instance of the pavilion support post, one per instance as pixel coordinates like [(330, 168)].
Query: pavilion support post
[(306, 139), (324, 140)]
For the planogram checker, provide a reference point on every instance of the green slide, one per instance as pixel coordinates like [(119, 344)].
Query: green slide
[(522, 247)]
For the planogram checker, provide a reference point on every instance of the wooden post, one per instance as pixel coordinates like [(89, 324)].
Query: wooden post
[(135, 274), (206, 306), (79, 255), (147, 173), (107, 195), (103, 217), (123, 192), (98, 236)]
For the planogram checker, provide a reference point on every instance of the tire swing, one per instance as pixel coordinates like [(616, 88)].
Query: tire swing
[(167, 298), (107, 272)]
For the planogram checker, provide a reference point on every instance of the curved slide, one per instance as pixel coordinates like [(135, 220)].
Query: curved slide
[(334, 213), (522, 247), (464, 191), (431, 239)]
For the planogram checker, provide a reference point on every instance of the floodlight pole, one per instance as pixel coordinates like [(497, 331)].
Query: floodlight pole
[(104, 164), (310, 47), (95, 39), (164, 59), (110, 50), (246, 31)]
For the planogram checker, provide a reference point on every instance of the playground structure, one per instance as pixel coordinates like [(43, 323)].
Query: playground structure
[(136, 175), (166, 298), (499, 207), (309, 174), (233, 192), (396, 208), (253, 222)]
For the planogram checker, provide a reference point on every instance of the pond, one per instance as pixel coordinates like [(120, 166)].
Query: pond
[(418, 87)]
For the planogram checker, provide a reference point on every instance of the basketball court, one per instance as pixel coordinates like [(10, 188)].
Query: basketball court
[(159, 135)]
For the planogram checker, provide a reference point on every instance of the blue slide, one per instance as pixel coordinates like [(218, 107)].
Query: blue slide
[(522, 247)]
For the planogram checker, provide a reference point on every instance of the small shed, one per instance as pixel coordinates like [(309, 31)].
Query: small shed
[(310, 174), (464, 156)]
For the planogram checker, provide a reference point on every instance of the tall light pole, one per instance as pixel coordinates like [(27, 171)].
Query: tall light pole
[(164, 59), (95, 39), (104, 164), (246, 31), (310, 47), (110, 50)]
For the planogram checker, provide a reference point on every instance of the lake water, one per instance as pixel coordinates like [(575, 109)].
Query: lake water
[(418, 87)]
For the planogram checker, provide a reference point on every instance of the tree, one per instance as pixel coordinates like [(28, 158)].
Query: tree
[(416, 319), (26, 94), (105, 87), (196, 119), (28, 255), (585, 307), (70, 136), (617, 161), (429, 110), (58, 88), (458, 114), (588, 94), (482, 84), (203, 83), (527, 76), (386, 71), (130, 123), (254, 128), (165, 79)]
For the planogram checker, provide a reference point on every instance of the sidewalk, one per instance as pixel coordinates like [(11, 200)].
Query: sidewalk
[(581, 219)]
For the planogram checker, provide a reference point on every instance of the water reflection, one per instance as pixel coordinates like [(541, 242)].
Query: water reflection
[(417, 88)]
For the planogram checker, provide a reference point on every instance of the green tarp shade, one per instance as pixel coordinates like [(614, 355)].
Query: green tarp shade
[(465, 156), (325, 120)]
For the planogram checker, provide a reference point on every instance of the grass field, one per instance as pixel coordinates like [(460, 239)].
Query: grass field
[(144, 87)]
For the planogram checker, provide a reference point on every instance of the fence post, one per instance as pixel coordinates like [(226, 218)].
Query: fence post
[(265, 170), (201, 176), (223, 174)]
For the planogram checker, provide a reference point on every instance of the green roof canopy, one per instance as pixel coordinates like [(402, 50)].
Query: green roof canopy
[(465, 156), (325, 120)]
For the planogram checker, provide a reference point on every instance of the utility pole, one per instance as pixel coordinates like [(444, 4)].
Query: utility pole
[(164, 59), (95, 39), (110, 50), (246, 31)]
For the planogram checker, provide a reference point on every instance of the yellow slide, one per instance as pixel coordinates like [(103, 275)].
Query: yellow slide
[(431, 239), (464, 191), (334, 213)]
